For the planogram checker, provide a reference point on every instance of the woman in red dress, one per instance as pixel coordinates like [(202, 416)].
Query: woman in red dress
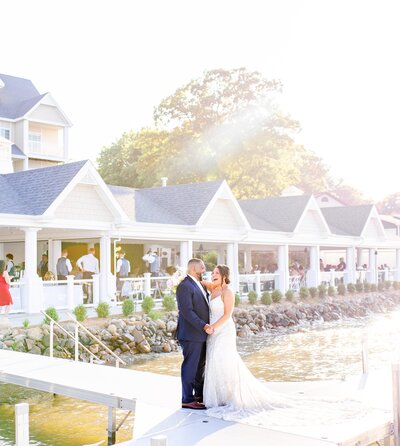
[(5, 296)]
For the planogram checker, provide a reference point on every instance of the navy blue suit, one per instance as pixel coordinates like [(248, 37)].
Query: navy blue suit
[(193, 316)]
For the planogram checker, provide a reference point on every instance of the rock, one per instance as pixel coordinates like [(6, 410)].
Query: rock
[(29, 344), (46, 340), (34, 333), (35, 350), (171, 326), (245, 332), (94, 348), (166, 347), (138, 336), (128, 337), (112, 329), (143, 347), (161, 325)]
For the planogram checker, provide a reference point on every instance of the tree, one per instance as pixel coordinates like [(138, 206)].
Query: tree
[(390, 205), (223, 125), (347, 194)]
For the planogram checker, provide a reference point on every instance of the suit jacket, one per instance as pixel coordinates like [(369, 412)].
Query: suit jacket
[(193, 311)]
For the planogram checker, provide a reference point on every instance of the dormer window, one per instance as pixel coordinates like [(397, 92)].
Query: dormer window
[(35, 142), (5, 133)]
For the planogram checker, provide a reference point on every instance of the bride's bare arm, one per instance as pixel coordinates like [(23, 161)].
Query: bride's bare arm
[(229, 302), (208, 285)]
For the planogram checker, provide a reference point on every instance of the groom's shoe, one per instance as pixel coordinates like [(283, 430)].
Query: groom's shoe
[(194, 405)]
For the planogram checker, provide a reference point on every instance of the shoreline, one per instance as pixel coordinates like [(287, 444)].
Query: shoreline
[(137, 335)]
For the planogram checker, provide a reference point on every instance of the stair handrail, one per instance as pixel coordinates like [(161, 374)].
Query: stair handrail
[(77, 341), (117, 358)]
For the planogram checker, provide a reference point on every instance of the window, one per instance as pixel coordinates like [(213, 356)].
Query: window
[(35, 142), (5, 133)]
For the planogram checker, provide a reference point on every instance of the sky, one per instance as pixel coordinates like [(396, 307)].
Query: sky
[(108, 63)]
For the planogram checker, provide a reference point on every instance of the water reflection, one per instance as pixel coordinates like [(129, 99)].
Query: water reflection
[(327, 352)]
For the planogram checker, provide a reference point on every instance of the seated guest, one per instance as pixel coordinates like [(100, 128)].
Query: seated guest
[(341, 266)]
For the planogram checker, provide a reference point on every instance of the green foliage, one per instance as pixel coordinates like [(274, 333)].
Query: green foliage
[(237, 299), (313, 291), (252, 297), (169, 303), (148, 304), (322, 290), (289, 295), (359, 287), (276, 296), (220, 125), (266, 298), (25, 324), (341, 289), (367, 287), (373, 287), (381, 286), (128, 307), (52, 312), (103, 309), (80, 312), (153, 314), (387, 284), (351, 288), (331, 291), (304, 293)]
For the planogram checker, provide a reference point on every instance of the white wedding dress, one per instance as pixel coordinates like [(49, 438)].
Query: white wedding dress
[(232, 393)]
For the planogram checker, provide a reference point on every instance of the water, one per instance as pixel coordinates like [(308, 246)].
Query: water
[(326, 352)]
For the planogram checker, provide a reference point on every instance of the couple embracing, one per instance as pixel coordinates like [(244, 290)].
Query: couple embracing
[(213, 375)]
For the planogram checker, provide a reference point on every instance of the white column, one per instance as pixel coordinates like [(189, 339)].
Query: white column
[(70, 292), (232, 260), (2, 254), (372, 275), (32, 299), (360, 257), (247, 260), (106, 278), (186, 252), (350, 276), (65, 143), (313, 274), (221, 256), (397, 272), (147, 284), (283, 268), (54, 254), (258, 283), (25, 143)]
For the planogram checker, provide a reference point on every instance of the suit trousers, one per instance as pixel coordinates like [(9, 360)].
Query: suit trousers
[(192, 370)]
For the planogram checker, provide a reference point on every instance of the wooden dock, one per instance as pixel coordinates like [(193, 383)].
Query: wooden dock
[(156, 401)]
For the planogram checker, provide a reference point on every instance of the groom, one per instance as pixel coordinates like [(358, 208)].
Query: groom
[(192, 330)]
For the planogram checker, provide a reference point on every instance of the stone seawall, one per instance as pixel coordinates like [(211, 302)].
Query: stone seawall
[(140, 334)]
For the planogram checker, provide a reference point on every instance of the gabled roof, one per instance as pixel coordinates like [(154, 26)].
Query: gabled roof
[(125, 197), (275, 214), (347, 220), (182, 204), (31, 192), (17, 96), (17, 152)]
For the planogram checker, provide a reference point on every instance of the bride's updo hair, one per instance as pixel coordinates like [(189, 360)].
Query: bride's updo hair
[(225, 272)]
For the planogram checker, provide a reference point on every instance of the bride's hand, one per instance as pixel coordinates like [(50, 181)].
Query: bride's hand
[(208, 285)]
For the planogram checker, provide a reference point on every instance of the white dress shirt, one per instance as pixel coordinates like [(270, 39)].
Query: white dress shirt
[(88, 263), (200, 286)]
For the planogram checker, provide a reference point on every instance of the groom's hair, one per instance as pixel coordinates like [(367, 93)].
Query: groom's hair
[(193, 262), (225, 272)]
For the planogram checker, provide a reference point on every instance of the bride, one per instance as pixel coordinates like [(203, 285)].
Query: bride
[(232, 393)]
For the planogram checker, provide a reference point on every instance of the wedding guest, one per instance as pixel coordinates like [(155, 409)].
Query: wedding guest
[(5, 296), (341, 266), (64, 266), (43, 266)]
